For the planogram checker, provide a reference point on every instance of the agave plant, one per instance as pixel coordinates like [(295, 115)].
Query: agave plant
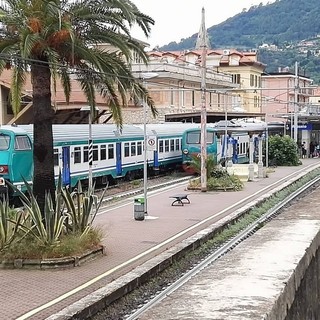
[(46, 228), (10, 222), (81, 208)]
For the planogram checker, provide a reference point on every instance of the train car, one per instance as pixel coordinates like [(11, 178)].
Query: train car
[(224, 141), (191, 145), (164, 144), (116, 153), (15, 157)]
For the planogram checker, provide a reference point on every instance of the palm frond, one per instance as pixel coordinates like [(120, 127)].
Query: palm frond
[(18, 78)]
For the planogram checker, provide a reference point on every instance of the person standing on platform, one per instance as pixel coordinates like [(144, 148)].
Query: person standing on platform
[(312, 149), (304, 150)]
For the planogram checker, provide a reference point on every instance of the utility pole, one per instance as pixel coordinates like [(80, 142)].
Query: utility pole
[(202, 43), (296, 109)]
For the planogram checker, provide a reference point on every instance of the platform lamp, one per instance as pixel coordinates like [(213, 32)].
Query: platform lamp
[(145, 76), (90, 142)]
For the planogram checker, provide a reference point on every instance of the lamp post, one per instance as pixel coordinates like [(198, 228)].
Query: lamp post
[(90, 144), (295, 118), (145, 76)]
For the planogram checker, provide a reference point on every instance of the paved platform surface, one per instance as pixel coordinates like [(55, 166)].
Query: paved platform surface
[(34, 294)]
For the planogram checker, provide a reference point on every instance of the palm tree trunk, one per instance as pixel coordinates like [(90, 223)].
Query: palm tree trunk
[(43, 174)]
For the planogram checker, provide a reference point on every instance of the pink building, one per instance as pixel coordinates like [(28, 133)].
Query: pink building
[(280, 99)]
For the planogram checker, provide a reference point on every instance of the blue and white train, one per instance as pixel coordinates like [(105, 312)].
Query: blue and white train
[(116, 154)]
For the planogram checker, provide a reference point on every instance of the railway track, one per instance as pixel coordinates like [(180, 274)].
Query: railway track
[(145, 303), (129, 188)]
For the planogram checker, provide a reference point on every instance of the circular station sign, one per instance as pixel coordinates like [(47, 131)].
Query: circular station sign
[(151, 143)]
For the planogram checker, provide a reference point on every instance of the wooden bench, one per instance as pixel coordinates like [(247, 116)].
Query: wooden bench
[(179, 199)]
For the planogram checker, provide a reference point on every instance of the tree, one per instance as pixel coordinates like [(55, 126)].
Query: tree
[(54, 39)]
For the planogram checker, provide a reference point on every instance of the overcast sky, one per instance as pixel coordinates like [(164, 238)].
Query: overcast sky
[(177, 19)]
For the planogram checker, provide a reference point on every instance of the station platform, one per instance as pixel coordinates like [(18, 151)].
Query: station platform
[(40, 294)]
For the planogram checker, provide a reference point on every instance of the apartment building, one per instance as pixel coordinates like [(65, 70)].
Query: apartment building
[(231, 82)]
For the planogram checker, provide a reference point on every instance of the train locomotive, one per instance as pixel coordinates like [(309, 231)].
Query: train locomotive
[(225, 141), (116, 153)]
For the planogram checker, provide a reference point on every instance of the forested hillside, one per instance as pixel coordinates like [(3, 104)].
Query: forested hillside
[(283, 23)]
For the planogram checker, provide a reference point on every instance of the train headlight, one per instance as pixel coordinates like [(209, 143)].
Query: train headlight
[(3, 169), (185, 151)]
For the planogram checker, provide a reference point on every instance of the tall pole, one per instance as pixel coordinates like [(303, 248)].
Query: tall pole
[(145, 76), (203, 40), (145, 166), (295, 120), (90, 151), (225, 133)]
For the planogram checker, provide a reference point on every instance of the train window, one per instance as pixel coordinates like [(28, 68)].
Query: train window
[(139, 148), (22, 143), (85, 154), (55, 157), (4, 142), (126, 149), (177, 144), (171, 145), (210, 137), (95, 153), (110, 151), (160, 146), (133, 149), (77, 155), (193, 137), (103, 152), (166, 145)]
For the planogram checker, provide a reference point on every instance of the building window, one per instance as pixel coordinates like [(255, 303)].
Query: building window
[(193, 98), (236, 78), (171, 97), (251, 80)]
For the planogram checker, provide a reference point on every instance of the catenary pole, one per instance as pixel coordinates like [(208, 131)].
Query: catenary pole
[(295, 115), (202, 43)]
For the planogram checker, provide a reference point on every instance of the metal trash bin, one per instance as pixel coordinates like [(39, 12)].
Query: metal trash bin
[(139, 208)]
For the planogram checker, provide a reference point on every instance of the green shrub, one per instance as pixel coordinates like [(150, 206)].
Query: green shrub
[(225, 182), (283, 151)]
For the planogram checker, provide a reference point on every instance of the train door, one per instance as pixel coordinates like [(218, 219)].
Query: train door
[(66, 166), (118, 159)]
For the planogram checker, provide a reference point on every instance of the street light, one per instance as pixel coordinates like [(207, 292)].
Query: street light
[(145, 76), (90, 143)]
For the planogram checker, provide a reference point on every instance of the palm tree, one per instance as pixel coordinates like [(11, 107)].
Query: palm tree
[(54, 39)]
